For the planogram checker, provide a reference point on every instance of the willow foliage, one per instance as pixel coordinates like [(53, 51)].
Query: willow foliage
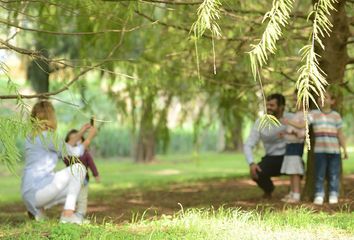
[(207, 16), (12, 128), (312, 79)]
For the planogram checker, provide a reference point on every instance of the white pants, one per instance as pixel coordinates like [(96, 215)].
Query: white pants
[(82, 201), (65, 188)]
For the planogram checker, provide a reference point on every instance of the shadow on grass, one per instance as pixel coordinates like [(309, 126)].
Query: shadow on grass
[(120, 206)]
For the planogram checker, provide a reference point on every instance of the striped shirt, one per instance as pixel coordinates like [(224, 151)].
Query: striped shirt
[(325, 127)]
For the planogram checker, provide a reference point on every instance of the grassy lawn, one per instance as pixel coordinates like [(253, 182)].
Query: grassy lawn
[(201, 224), (123, 174), (123, 177)]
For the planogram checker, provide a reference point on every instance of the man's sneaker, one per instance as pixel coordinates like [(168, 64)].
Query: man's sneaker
[(333, 199), (318, 200), (72, 219), (267, 196)]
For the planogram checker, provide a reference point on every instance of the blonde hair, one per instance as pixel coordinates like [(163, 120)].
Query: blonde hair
[(43, 115)]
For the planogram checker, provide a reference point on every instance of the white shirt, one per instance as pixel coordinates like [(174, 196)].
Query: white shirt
[(273, 143)]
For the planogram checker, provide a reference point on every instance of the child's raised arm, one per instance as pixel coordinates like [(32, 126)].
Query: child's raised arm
[(79, 135), (90, 136)]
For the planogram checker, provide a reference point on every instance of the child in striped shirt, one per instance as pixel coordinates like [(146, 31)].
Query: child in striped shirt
[(329, 139)]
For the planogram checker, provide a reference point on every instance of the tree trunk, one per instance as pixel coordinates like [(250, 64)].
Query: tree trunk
[(38, 72), (333, 62), (233, 135), (237, 140), (221, 142), (146, 142)]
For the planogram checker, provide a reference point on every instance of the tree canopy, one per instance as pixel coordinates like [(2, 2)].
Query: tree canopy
[(150, 55)]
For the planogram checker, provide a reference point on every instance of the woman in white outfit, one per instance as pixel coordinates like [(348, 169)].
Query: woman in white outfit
[(43, 188)]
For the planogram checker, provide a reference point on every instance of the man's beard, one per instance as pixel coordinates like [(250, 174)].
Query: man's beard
[(270, 112)]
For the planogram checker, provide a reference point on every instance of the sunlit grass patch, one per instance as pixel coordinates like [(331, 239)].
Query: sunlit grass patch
[(195, 224), (236, 224)]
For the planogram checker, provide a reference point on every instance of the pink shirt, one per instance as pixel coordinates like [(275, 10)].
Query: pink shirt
[(293, 134)]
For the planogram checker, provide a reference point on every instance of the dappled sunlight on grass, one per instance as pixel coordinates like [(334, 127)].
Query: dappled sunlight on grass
[(167, 172), (199, 224), (148, 196), (231, 224), (123, 175)]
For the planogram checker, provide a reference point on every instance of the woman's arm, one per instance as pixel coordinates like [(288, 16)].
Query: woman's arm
[(342, 143)]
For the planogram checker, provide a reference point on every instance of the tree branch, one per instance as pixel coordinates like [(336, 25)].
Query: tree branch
[(186, 29), (225, 9), (345, 85), (47, 94), (39, 55), (159, 1), (281, 73), (350, 61), (260, 13), (68, 33), (20, 50)]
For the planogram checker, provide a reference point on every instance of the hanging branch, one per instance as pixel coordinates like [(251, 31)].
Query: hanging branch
[(208, 13), (312, 79), (278, 17)]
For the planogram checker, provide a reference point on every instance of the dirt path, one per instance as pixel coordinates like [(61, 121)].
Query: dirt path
[(121, 207)]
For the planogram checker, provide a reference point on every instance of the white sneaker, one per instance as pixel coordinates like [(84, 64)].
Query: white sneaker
[(41, 216), (333, 199), (287, 197), (318, 200), (72, 219), (82, 216)]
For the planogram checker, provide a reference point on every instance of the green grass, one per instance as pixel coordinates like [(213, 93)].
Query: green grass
[(123, 176), (202, 224)]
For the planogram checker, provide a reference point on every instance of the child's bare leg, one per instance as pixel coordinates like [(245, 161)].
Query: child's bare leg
[(296, 186), (296, 183)]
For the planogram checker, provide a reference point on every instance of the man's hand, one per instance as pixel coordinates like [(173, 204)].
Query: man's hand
[(284, 121), (253, 171), (281, 134)]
